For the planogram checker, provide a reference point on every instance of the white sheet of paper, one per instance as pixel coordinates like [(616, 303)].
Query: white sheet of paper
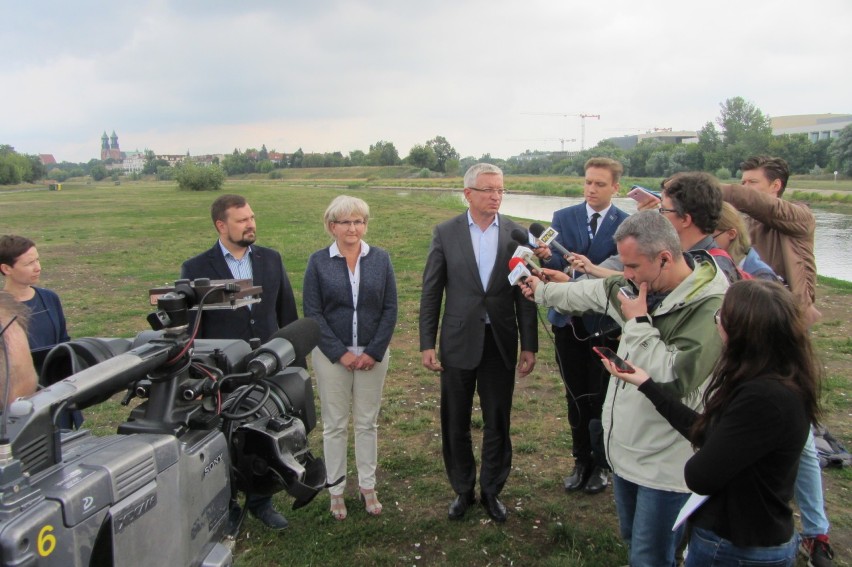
[(695, 500)]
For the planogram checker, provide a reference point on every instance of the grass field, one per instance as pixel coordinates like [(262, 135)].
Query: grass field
[(103, 246)]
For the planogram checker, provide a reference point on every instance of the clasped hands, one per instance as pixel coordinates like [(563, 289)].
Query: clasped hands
[(361, 362)]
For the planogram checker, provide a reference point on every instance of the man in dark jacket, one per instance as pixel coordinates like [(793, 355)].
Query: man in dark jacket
[(235, 256)]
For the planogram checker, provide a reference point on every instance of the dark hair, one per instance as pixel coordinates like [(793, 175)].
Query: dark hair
[(614, 166), (698, 195), (219, 208), (12, 247), (767, 337), (773, 168)]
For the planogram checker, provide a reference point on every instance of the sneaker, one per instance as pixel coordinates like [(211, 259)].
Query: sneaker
[(817, 550)]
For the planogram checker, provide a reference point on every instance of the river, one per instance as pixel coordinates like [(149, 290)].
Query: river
[(832, 246)]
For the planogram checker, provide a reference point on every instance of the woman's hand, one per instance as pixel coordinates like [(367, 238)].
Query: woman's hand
[(637, 377), (348, 360), (365, 362)]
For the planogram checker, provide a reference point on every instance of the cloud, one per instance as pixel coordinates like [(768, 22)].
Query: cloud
[(340, 75)]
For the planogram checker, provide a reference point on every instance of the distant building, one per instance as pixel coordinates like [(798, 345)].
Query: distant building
[(47, 159), (816, 126), (133, 162), (110, 149), (664, 135)]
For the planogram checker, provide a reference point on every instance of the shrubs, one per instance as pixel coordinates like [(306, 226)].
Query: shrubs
[(723, 173), (191, 177)]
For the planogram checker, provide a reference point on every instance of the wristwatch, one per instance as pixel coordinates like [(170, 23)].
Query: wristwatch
[(643, 319)]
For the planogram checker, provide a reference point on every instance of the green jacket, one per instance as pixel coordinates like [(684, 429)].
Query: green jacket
[(678, 349)]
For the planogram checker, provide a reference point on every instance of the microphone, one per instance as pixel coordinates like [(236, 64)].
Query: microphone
[(527, 256), (548, 237), (519, 272), (294, 341), (524, 238)]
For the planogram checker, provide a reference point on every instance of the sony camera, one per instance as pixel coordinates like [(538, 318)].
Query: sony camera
[(217, 416)]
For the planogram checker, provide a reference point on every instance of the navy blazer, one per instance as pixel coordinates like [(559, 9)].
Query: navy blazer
[(573, 227), (451, 270), (276, 309)]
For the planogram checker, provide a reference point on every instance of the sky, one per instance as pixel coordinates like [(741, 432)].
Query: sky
[(491, 76)]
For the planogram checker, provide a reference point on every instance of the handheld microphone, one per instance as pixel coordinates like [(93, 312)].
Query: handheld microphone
[(524, 238), (519, 273), (548, 237), (294, 341), (527, 256)]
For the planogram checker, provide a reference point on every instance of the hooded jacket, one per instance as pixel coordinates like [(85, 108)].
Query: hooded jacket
[(678, 348)]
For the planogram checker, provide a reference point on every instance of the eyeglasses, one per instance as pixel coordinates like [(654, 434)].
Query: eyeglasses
[(350, 223), (717, 316), (500, 191), (664, 211)]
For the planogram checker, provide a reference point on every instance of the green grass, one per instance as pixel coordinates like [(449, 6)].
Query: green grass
[(102, 247)]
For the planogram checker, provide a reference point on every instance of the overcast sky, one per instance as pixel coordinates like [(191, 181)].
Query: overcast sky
[(209, 76)]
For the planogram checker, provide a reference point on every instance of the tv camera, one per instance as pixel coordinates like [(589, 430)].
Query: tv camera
[(217, 416)]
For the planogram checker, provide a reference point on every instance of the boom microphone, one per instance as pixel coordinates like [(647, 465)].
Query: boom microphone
[(548, 237), (292, 342)]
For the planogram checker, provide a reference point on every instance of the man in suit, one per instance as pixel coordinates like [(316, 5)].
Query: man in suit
[(235, 256), (586, 230), (468, 263)]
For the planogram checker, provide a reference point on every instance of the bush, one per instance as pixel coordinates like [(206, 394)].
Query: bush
[(275, 174), (723, 173), (191, 177)]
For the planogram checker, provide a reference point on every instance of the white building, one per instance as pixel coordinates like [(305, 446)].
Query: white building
[(816, 126)]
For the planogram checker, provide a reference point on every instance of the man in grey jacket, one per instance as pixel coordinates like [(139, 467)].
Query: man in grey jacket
[(668, 328)]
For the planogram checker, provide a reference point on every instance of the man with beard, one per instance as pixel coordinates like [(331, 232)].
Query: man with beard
[(235, 256)]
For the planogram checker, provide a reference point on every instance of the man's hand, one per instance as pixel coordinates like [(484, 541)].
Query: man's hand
[(543, 252), (554, 275), (528, 287), (632, 308), (430, 360), (581, 263), (526, 363)]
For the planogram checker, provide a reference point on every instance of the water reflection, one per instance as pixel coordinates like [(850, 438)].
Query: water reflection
[(832, 244)]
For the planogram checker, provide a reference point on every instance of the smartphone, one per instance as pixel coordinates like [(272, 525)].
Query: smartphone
[(642, 195), (627, 292), (619, 363)]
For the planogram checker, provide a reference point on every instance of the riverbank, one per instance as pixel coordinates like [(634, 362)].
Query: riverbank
[(102, 247)]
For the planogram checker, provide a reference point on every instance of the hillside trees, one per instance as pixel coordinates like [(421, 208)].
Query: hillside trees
[(841, 151), (17, 168), (383, 153)]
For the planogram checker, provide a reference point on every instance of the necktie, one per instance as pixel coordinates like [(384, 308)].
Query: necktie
[(593, 223)]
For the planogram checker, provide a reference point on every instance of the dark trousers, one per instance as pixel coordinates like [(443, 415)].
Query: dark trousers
[(585, 380), (495, 384)]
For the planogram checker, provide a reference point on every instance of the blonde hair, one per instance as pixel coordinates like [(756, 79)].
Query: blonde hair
[(732, 219), (343, 206)]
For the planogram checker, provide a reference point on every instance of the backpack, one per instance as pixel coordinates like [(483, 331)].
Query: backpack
[(829, 450), (720, 253)]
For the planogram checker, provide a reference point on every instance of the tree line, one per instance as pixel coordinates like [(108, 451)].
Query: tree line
[(741, 130)]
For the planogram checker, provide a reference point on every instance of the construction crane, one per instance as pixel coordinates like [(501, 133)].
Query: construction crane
[(582, 116)]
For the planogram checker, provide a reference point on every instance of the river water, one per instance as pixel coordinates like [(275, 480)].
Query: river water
[(832, 246)]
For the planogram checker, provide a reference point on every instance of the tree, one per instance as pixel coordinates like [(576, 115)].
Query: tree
[(98, 172), (357, 158), (840, 151), (444, 152), (296, 158), (191, 177), (743, 122), (422, 156), (263, 154), (383, 153)]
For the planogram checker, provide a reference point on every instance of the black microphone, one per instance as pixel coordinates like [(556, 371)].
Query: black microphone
[(537, 230), (522, 237), (292, 342)]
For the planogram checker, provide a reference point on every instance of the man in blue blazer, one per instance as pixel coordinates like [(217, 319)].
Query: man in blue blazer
[(468, 265), (235, 256), (586, 230)]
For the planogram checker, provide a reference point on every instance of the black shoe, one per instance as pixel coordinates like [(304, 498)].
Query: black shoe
[(459, 506), (496, 510), (598, 481), (235, 520), (579, 476), (270, 517)]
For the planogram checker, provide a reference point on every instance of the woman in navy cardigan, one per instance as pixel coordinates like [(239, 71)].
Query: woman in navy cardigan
[(350, 290)]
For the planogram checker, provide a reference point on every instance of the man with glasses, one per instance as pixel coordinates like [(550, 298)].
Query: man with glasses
[(236, 256), (467, 270), (586, 231), (692, 202), (668, 327)]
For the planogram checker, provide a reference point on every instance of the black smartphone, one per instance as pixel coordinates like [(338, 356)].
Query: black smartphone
[(619, 363)]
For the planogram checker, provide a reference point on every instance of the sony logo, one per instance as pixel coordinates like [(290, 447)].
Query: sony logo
[(210, 466)]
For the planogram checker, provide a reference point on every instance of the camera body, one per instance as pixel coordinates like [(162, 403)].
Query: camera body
[(217, 416)]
